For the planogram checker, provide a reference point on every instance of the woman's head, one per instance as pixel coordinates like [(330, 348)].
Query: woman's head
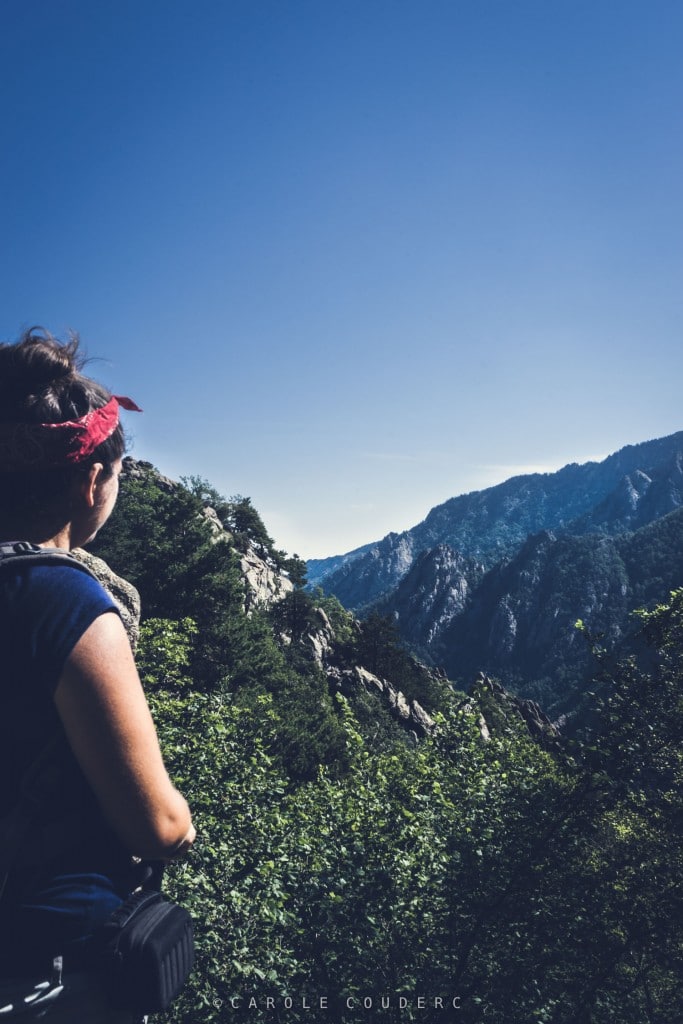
[(40, 384)]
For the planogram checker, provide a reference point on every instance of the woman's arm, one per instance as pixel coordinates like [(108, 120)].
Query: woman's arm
[(104, 712)]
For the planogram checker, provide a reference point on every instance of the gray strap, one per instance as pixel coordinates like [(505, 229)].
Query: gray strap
[(22, 551)]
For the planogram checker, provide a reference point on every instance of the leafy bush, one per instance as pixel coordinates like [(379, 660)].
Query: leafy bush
[(532, 886)]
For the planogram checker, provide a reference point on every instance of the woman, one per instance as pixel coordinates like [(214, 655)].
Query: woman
[(68, 672)]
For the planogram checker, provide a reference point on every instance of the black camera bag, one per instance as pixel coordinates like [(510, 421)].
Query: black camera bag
[(147, 952)]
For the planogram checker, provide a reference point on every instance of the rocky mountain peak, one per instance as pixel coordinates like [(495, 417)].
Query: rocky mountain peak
[(492, 524)]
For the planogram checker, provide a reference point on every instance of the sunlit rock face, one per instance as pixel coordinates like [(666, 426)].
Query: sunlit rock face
[(264, 584)]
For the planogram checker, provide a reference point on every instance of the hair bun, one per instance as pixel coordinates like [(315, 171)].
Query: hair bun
[(38, 362)]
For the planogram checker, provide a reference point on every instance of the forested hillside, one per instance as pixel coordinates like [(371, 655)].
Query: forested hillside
[(211, 581), (374, 845), (495, 580), (517, 621)]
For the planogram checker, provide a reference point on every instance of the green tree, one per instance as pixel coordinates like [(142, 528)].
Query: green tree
[(247, 525), (539, 886), (164, 653)]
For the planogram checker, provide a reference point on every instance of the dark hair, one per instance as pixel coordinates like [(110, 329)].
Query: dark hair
[(41, 382)]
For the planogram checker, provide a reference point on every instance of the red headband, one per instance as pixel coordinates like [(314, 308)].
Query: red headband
[(51, 445)]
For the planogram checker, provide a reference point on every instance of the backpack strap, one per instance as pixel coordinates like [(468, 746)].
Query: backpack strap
[(22, 551)]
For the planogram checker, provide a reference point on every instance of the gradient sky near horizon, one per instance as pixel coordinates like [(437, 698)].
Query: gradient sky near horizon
[(353, 257)]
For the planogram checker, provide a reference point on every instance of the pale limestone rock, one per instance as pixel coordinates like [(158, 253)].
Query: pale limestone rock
[(326, 624), (218, 531), (420, 716), (320, 645), (264, 584)]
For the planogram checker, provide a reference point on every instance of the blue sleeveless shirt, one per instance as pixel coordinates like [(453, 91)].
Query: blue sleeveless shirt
[(51, 908)]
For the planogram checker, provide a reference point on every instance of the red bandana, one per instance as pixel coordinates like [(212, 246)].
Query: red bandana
[(26, 446)]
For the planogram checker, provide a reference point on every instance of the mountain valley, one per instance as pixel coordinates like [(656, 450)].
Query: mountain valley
[(495, 580)]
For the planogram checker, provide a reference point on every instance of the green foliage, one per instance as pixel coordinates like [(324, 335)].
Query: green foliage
[(343, 623), (640, 729), (295, 616), (247, 525), (241, 519), (295, 568), (308, 732), (663, 624), (334, 861), (208, 497), (164, 653), (161, 541), (196, 633), (534, 887), (460, 867), (634, 743), (233, 881)]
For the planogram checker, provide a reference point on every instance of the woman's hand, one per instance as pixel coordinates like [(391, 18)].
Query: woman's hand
[(184, 845)]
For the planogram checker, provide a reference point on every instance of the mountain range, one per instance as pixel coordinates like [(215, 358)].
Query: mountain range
[(495, 580)]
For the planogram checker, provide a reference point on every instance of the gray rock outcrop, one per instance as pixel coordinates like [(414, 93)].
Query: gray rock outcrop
[(265, 584), (500, 708), (408, 714), (124, 593)]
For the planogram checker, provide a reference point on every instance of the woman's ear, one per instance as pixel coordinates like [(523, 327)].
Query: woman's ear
[(90, 482)]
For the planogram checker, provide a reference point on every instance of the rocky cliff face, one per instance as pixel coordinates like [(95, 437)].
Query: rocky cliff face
[(264, 583), (319, 568), (124, 593), (407, 713), (359, 582), (501, 710), (434, 591), (638, 499), (519, 623)]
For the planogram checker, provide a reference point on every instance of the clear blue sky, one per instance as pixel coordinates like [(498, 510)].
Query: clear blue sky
[(353, 258)]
